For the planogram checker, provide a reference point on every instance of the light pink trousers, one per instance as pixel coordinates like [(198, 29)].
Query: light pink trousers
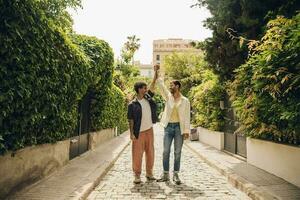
[(145, 143)]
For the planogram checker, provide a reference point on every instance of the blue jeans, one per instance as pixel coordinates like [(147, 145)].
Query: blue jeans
[(172, 131)]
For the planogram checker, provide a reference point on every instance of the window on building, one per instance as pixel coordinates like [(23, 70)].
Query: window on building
[(158, 57)]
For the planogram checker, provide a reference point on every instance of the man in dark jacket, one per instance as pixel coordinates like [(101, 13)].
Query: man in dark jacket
[(141, 116)]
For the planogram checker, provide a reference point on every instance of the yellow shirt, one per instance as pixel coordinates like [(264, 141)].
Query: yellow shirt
[(174, 116)]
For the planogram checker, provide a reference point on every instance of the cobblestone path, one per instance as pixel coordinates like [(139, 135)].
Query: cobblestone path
[(200, 181)]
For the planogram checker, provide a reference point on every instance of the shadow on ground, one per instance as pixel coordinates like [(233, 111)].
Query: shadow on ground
[(154, 190)]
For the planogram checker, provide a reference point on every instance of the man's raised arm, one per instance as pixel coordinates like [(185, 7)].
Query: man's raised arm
[(165, 93), (152, 85)]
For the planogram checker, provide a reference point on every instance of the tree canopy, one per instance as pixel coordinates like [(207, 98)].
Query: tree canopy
[(247, 18)]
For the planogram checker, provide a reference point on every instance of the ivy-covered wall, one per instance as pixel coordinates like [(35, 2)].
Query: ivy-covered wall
[(44, 72), (39, 66), (109, 111)]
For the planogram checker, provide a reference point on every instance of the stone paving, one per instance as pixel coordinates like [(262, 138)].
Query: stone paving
[(200, 181), (76, 179)]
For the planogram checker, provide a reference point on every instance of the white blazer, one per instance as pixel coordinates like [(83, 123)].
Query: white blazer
[(184, 108)]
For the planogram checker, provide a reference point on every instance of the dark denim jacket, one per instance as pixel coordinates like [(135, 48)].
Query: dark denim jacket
[(135, 112)]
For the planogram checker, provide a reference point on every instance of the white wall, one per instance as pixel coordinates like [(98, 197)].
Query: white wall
[(31, 164), (97, 138), (212, 138), (278, 159)]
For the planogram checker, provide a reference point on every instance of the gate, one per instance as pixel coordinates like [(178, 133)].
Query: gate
[(79, 138), (234, 143)]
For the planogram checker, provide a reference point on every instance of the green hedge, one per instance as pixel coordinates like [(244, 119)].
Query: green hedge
[(102, 91), (42, 76), (108, 107), (101, 57), (266, 90), (205, 101), (109, 111)]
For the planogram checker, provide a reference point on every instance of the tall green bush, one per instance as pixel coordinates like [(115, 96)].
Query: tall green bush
[(101, 57), (109, 112), (102, 91), (266, 90), (42, 76), (205, 101)]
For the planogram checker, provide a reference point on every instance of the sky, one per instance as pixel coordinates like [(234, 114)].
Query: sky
[(114, 20)]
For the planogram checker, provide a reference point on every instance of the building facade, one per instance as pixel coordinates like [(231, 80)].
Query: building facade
[(146, 70), (165, 47)]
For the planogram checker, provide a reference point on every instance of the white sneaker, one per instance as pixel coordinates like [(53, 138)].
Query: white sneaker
[(137, 180)]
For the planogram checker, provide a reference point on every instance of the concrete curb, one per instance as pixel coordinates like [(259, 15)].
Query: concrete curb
[(89, 184), (237, 181)]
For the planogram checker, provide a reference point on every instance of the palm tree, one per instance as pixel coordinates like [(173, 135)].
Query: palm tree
[(131, 46)]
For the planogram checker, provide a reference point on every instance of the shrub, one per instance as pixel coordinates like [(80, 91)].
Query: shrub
[(186, 67), (109, 112), (160, 103), (108, 108), (266, 92), (39, 66), (205, 102), (101, 56)]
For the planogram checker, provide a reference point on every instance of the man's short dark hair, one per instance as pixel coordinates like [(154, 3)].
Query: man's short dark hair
[(139, 85), (176, 82)]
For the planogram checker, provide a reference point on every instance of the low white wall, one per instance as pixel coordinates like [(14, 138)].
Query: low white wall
[(97, 138), (31, 164), (278, 159), (212, 138)]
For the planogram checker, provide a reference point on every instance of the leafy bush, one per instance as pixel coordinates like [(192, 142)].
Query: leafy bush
[(108, 107), (39, 66), (109, 112), (160, 103), (129, 70), (266, 90), (101, 56), (56, 11), (205, 101), (186, 67)]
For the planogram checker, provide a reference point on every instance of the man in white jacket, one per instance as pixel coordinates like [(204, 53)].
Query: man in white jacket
[(176, 121)]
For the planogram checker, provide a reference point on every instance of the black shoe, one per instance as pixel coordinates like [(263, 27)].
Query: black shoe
[(176, 179), (151, 178), (164, 177)]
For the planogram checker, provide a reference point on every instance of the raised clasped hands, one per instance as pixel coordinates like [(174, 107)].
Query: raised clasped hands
[(156, 67)]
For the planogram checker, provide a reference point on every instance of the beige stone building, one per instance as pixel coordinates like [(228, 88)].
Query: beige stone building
[(146, 70), (165, 47)]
